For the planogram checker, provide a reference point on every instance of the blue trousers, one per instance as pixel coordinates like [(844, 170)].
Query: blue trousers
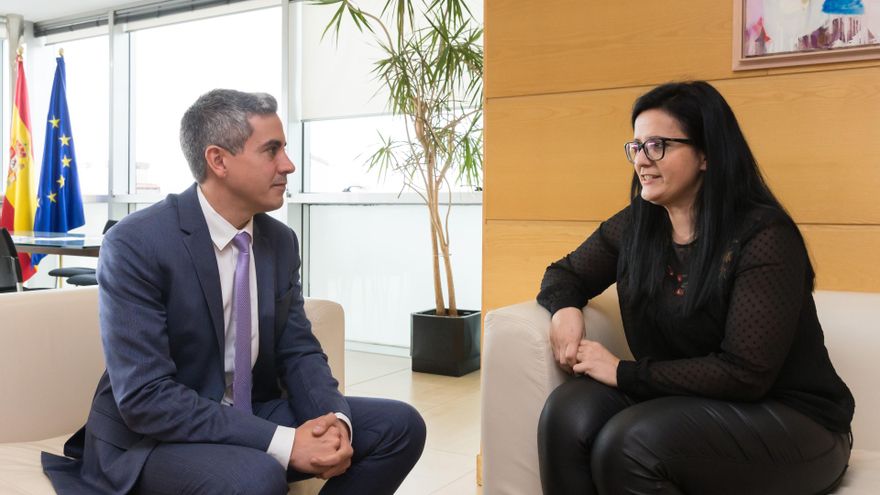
[(388, 439)]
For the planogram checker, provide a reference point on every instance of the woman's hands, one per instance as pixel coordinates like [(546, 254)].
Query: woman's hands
[(574, 354), (566, 332), (595, 360)]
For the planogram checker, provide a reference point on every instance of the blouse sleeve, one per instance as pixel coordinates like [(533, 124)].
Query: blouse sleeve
[(587, 271), (764, 306)]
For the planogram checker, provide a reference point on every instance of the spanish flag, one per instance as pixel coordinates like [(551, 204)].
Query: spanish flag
[(18, 204)]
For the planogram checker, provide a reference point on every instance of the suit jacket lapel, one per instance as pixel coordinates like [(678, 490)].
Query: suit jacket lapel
[(201, 251)]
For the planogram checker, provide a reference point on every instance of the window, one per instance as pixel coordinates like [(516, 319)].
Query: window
[(172, 65), (88, 87), (339, 151)]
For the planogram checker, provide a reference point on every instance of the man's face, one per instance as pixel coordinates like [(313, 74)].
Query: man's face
[(257, 176)]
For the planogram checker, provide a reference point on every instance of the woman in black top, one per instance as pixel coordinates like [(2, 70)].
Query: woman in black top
[(731, 389)]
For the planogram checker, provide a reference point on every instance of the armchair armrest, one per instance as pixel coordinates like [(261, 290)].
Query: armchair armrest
[(50, 362), (518, 374), (328, 325)]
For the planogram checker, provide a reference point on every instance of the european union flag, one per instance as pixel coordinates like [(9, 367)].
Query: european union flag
[(59, 202)]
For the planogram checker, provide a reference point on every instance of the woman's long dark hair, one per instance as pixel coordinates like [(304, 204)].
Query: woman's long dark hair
[(732, 186)]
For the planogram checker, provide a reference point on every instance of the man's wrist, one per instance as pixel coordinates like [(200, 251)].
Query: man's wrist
[(281, 446), (342, 417)]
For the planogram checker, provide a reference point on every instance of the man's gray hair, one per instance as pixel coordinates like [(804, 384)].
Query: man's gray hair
[(220, 118)]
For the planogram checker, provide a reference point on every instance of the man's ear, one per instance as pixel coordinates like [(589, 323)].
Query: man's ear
[(215, 157)]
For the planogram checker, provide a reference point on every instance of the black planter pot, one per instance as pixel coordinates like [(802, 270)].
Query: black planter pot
[(445, 345)]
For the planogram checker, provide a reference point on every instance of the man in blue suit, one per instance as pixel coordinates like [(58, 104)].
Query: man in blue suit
[(215, 383)]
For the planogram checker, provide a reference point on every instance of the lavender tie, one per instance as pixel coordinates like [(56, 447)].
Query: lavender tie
[(241, 298)]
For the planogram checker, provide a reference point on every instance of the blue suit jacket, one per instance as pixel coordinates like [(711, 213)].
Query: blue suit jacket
[(163, 333)]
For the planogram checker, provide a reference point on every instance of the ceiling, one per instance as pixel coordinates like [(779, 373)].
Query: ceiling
[(44, 10)]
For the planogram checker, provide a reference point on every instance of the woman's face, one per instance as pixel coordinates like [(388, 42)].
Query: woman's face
[(672, 182)]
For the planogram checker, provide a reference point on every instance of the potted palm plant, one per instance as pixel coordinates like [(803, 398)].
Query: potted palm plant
[(432, 69)]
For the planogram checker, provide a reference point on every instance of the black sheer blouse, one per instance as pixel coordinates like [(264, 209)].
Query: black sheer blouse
[(761, 340)]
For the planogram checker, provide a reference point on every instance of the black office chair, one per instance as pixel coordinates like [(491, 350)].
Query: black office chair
[(80, 275), (9, 274), (84, 279), (7, 249)]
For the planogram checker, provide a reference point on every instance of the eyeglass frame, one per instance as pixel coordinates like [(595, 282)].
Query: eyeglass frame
[(641, 147)]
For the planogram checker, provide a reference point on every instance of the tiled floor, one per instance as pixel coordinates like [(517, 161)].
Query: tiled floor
[(450, 407)]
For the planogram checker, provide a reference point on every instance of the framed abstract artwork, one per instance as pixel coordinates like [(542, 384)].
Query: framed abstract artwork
[(779, 33)]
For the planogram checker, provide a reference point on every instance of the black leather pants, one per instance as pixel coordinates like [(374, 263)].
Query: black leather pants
[(594, 439)]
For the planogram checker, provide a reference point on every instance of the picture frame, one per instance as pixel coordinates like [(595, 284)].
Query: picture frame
[(783, 33)]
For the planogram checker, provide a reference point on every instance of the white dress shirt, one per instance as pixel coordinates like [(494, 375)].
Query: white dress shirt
[(222, 232)]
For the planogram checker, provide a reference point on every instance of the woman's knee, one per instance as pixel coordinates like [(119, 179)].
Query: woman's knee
[(643, 433), (629, 452), (576, 410), (617, 442)]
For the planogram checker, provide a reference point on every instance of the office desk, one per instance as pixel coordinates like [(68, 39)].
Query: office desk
[(56, 243)]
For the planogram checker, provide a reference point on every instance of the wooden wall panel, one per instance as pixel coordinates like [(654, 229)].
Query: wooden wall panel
[(809, 132), (559, 157), (571, 45), (516, 254), (843, 256)]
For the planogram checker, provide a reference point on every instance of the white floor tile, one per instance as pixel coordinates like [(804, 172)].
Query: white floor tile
[(466, 485), (362, 366), (455, 426), (419, 389), (450, 407), (435, 470)]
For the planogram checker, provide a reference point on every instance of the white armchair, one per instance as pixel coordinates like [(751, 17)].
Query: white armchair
[(519, 373), (50, 362)]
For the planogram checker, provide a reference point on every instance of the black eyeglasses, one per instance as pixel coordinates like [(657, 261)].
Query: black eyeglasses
[(655, 148)]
